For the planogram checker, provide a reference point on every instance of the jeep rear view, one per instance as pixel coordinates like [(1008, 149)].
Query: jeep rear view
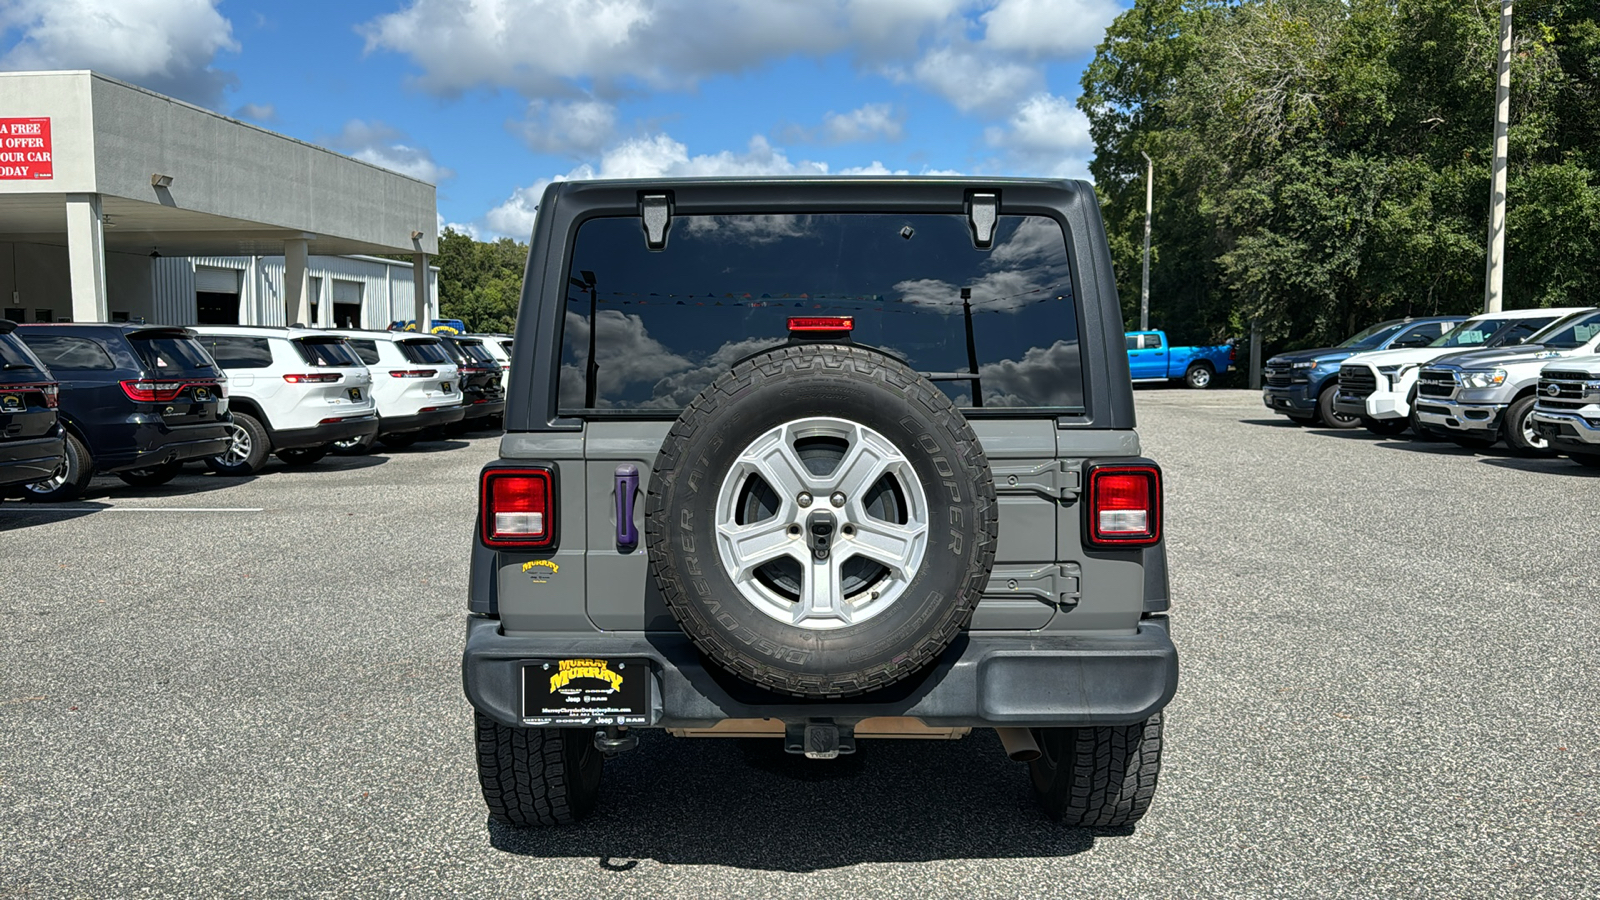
[(820, 461)]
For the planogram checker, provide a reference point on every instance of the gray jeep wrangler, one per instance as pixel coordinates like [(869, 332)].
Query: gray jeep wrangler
[(819, 461)]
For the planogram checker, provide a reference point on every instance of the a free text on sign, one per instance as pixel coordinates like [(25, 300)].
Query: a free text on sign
[(25, 149)]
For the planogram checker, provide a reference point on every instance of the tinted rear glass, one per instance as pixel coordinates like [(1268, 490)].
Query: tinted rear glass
[(476, 351), (76, 354), (171, 353), (367, 350), (14, 355), (668, 322), (327, 353), (506, 346), (424, 352), (233, 352), (1570, 333)]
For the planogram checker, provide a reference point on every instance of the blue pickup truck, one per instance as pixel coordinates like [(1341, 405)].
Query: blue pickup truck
[(1152, 358)]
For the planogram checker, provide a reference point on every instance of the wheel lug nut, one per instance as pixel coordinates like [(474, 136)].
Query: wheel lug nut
[(804, 499), (837, 499)]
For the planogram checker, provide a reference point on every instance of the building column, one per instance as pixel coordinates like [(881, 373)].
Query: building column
[(86, 258), (419, 285), (296, 283)]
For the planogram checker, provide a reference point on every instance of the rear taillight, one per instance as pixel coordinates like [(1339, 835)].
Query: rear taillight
[(319, 378), (413, 373), (517, 508), (1233, 353), (152, 391), (1124, 507), (49, 390)]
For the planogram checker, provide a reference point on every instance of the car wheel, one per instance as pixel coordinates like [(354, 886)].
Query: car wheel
[(152, 476), (1385, 427), (404, 439), (1103, 777), (1420, 431), (1198, 376), (248, 453), (71, 478), (356, 446), (302, 456), (537, 776), (1520, 434), (808, 476), (1330, 417)]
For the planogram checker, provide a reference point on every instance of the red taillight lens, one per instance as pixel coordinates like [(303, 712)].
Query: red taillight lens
[(1124, 505), (52, 395), (822, 323), (152, 391), (320, 378), (517, 508), (413, 373), (1233, 353)]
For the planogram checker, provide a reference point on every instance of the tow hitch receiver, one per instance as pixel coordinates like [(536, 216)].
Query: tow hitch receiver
[(819, 738)]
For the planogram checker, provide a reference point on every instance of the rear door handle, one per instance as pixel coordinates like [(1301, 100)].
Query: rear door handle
[(626, 486)]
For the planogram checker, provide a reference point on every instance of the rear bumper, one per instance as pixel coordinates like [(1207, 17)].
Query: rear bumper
[(484, 409), (1566, 429), (1482, 419), (35, 459), (318, 435), (1031, 680), (444, 415), (158, 443)]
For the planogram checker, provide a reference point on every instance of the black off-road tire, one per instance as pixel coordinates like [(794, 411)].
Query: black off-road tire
[(1330, 417), (154, 476), (76, 473), (1512, 428), (840, 381), (1199, 376), (537, 776), (1103, 777), (302, 456)]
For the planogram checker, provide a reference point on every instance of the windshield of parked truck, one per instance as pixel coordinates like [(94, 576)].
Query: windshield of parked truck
[(1471, 333), (1373, 337), (1570, 333)]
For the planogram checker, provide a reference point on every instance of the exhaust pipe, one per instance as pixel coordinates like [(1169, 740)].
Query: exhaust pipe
[(1019, 744)]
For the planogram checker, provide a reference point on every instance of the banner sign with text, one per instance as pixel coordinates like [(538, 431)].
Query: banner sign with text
[(25, 149)]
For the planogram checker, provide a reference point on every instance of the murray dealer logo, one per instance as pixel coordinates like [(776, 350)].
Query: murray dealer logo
[(540, 570), (569, 670)]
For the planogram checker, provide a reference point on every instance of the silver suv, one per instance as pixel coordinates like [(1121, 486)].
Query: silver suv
[(819, 461)]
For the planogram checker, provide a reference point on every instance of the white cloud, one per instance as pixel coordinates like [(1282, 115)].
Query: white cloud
[(381, 145), (1048, 27), (577, 127), (1046, 135), (871, 122), (973, 81), (168, 46), (515, 217), (259, 112)]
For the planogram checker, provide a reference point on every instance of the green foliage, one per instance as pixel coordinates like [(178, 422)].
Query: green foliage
[(480, 283), (1324, 164)]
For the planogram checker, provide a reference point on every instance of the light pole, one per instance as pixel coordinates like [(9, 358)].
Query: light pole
[(1149, 196), (1494, 275)]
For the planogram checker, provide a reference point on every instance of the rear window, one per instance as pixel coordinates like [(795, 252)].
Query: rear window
[(170, 353), (367, 350), (14, 355), (332, 353), (73, 354), (476, 350), (668, 322), (424, 352), (506, 346), (232, 352)]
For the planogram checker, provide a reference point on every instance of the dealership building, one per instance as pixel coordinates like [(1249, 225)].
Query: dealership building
[(117, 204)]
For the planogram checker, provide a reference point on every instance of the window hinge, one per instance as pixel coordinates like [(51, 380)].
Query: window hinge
[(656, 212), (983, 210)]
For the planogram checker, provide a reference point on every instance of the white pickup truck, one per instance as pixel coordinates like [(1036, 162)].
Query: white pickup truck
[(1567, 412)]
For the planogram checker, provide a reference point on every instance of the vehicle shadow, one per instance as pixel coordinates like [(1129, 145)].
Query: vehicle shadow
[(748, 804), (1543, 465), (1348, 434), (422, 447), (1274, 422), (16, 514), (187, 483)]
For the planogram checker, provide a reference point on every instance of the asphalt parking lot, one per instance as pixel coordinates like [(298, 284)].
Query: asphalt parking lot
[(252, 688)]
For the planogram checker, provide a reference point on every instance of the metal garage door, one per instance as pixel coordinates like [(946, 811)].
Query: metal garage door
[(212, 280)]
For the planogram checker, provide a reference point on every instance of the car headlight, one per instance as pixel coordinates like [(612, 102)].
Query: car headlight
[(1483, 379), (1304, 365)]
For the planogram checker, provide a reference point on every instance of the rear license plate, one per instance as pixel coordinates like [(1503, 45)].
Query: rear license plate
[(586, 691), (355, 394), (445, 386)]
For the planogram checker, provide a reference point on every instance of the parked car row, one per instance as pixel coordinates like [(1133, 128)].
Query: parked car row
[(140, 401), (1529, 378)]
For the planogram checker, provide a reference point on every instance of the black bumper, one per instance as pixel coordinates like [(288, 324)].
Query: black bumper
[(444, 415), (981, 680), (158, 444), (320, 435), (484, 409), (35, 459)]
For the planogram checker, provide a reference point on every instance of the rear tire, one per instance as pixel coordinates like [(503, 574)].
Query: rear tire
[(153, 476), (1198, 377), (1103, 777), (70, 480), (302, 456), (1330, 417), (537, 776), (249, 452), (1519, 433)]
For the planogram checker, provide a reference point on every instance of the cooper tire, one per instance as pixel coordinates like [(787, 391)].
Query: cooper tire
[(1198, 377), (249, 452), (871, 642), (153, 476), (1330, 417), (537, 776), (70, 480), (1102, 777)]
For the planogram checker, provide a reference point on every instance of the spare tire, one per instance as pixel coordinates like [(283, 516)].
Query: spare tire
[(821, 520)]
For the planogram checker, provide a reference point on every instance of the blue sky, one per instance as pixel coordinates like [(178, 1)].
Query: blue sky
[(492, 99)]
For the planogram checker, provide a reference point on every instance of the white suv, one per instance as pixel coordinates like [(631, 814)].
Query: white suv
[(1380, 386), (292, 391), (416, 384)]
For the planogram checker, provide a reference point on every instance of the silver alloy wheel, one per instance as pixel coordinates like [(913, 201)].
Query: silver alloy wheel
[(238, 452), (54, 481), (821, 470), (1201, 377)]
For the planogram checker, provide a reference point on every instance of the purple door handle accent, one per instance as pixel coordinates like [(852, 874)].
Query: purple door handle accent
[(627, 484)]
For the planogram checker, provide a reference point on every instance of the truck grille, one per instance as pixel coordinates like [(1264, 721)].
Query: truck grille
[(1277, 376), (1573, 390), (1436, 383), (1357, 381)]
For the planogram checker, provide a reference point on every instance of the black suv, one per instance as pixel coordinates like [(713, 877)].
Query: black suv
[(32, 441), (482, 394), (819, 461), (137, 401)]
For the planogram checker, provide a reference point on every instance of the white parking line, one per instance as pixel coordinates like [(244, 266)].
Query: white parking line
[(189, 509)]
